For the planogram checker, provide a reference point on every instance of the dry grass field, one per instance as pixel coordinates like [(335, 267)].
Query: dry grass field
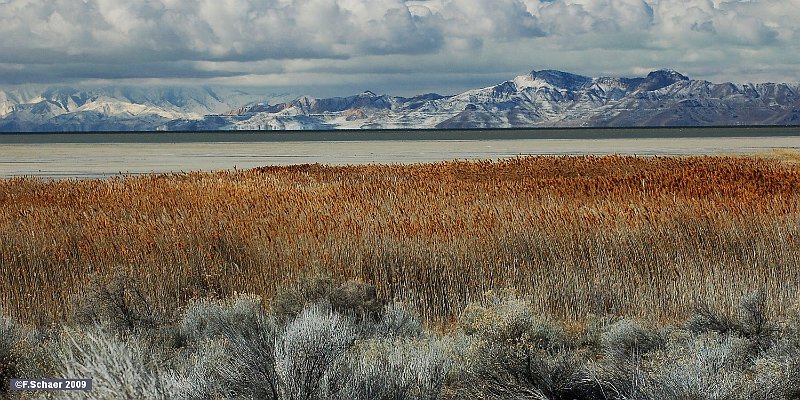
[(649, 237)]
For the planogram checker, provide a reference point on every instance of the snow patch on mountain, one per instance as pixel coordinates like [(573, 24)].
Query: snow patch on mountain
[(114, 107), (545, 98), (32, 108)]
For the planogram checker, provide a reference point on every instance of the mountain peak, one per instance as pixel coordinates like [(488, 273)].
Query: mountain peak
[(670, 73), (539, 99), (561, 79), (661, 79)]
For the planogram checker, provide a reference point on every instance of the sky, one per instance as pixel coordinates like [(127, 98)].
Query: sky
[(399, 47)]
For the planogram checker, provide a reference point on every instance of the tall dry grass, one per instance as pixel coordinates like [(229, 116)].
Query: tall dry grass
[(643, 236)]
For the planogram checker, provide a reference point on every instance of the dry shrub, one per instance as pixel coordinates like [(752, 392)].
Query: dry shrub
[(751, 322), (208, 318), (241, 337), (627, 340), (121, 303), (513, 352), (22, 353), (120, 367), (395, 368), (399, 320), (352, 298), (502, 349), (10, 358)]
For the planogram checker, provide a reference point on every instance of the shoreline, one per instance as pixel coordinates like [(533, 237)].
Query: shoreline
[(400, 134), (96, 157)]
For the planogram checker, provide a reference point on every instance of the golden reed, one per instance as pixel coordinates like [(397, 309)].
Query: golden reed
[(642, 236)]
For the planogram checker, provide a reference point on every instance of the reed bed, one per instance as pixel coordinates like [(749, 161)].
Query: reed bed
[(650, 237)]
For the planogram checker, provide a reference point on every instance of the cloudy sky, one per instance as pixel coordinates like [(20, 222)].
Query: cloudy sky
[(403, 47)]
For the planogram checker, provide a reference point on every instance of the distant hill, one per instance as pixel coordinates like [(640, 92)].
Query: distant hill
[(125, 108), (546, 98)]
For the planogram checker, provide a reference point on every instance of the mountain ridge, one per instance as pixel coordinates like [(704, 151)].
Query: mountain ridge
[(544, 98)]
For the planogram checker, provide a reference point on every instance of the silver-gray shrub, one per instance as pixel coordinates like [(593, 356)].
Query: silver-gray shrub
[(22, 354), (307, 349), (397, 368), (10, 357), (240, 337), (211, 372), (512, 319), (707, 366), (120, 368), (397, 321), (239, 315), (311, 356), (228, 353), (514, 353), (627, 340), (776, 374)]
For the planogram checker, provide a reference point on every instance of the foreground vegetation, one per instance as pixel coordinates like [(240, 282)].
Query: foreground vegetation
[(335, 340), (644, 237), (535, 278)]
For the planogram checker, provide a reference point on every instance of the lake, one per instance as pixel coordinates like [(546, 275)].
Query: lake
[(97, 155)]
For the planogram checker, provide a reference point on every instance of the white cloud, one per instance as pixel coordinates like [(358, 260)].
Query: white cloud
[(110, 39), (213, 29), (570, 17), (501, 20)]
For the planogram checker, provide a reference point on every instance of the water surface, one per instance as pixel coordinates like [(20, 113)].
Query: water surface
[(110, 154)]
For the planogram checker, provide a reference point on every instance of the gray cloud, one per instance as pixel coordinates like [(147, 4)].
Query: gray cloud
[(209, 29), (277, 41), (69, 72)]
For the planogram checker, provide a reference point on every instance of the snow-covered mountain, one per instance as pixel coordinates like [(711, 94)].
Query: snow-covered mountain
[(540, 99), (115, 108), (547, 99)]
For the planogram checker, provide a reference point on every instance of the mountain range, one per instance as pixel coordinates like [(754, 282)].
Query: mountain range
[(545, 98)]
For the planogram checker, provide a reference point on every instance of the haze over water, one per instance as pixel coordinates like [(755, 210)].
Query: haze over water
[(111, 154)]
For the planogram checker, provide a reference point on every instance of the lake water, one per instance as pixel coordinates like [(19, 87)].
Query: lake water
[(79, 155)]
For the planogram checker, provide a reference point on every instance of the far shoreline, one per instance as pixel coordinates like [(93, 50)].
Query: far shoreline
[(399, 134)]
